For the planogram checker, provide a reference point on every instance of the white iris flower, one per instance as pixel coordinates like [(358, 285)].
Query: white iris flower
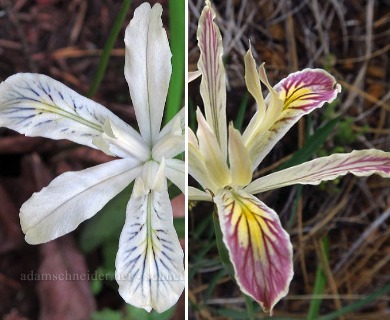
[(149, 263)]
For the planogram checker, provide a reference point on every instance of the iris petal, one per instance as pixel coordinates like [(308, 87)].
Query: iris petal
[(259, 248)]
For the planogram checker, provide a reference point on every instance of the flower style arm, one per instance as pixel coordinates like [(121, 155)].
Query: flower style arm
[(360, 163), (299, 94)]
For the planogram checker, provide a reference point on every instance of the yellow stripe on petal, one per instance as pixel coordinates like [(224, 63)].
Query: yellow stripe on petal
[(259, 248), (301, 92)]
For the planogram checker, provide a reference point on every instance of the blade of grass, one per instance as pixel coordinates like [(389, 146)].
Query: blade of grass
[(250, 309), (179, 225), (358, 304), (177, 39), (116, 28), (238, 122), (319, 284)]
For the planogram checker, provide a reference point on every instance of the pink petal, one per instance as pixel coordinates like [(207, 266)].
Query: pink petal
[(259, 248), (302, 91), (360, 163), (212, 86)]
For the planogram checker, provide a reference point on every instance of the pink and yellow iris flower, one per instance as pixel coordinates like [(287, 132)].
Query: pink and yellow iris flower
[(222, 160)]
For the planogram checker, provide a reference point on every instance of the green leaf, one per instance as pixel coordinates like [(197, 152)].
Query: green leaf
[(319, 285), (179, 224), (238, 122), (358, 304), (116, 28), (106, 224), (250, 309), (223, 251), (177, 43), (311, 146), (107, 314)]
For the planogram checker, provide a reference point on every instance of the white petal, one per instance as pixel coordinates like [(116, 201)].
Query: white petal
[(114, 141), (198, 195), (169, 146), (37, 105), (148, 68), (175, 172), (359, 162), (149, 263), (72, 198), (175, 126), (192, 75)]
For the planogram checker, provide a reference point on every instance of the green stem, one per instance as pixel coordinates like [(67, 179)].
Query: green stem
[(116, 28), (177, 42)]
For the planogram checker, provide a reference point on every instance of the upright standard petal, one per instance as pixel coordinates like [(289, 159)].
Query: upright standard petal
[(301, 92), (149, 263), (212, 86), (38, 105), (148, 68), (74, 197), (259, 248), (360, 163)]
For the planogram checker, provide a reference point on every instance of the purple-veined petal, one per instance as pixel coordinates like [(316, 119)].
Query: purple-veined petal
[(74, 197), (302, 92), (212, 85), (149, 263), (148, 68), (360, 163), (259, 248), (37, 105)]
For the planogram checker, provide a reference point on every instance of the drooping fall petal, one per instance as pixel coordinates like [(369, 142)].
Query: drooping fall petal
[(148, 68), (149, 263), (212, 86), (74, 197), (301, 92), (259, 248), (360, 163), (37, 105)]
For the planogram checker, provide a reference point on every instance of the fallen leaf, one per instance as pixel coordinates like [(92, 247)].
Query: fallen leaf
[(64, 288)]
